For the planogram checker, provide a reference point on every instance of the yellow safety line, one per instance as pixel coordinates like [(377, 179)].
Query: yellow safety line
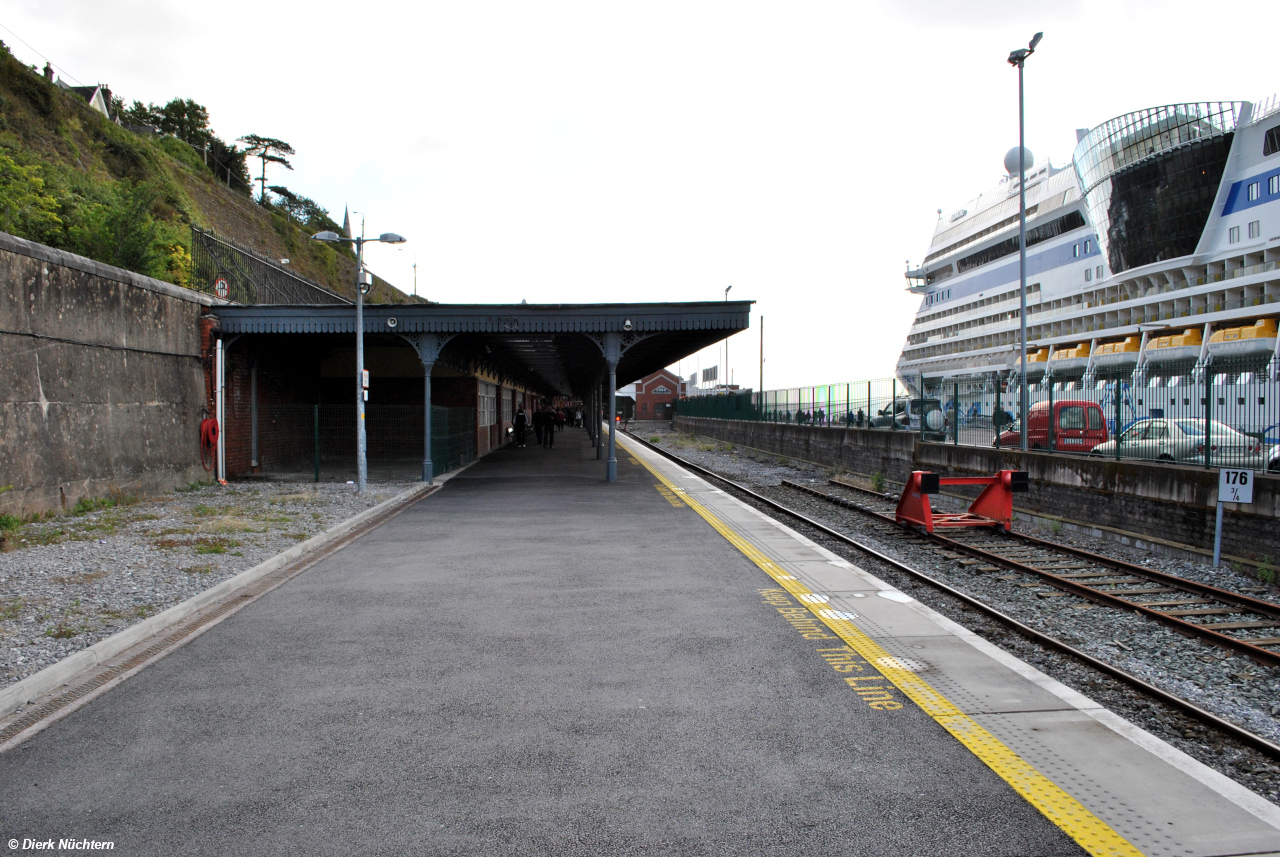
[(1092, 833)]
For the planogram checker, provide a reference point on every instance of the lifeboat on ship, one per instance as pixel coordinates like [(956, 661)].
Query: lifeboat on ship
[(1112, 355), (1254, 340), (1175, 347), (1069, 359), (1036, 363)]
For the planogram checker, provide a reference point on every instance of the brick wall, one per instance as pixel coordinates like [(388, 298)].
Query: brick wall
[(1165, 501)]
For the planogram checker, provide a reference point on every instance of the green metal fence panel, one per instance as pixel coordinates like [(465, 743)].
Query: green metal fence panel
[(1214, 411), (453, 438)]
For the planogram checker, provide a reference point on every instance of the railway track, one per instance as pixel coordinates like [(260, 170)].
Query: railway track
[(1186, 707), (1222, 618)]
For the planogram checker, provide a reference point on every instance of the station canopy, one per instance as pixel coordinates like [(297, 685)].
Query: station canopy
[(564, 349)]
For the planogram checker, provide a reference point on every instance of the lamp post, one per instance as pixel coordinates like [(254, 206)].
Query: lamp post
[(1018, 58), (726, 346), (363, 281)]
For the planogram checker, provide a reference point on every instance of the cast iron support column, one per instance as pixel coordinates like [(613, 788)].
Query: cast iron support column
[(428, 346), (611, 471), (612, 354), (598, 411), (428, 469)]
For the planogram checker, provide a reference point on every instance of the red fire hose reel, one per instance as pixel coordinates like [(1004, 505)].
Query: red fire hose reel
[(992, 508), (208, 442)]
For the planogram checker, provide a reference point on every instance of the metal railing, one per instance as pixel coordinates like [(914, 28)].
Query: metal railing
[(223, 269), (1221, 413)]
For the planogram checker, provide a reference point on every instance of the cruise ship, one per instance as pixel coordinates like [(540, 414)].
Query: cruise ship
[(1154, 250)]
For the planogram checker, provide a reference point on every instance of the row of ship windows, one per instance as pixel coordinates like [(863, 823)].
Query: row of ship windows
[(1090, 274), (1032, 289), (1255, 231), (1255, 188), (1088, 248)]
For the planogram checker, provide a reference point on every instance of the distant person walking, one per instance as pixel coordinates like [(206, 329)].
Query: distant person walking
[(549, 429), (577, 418), (521, 423), (539, 423), (560, 419)]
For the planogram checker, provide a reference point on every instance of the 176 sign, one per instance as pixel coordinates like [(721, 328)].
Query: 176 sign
[(1235, 486)]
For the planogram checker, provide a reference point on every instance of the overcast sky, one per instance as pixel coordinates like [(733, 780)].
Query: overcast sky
[(601, 151)]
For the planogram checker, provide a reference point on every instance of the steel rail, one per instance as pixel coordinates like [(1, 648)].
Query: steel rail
[(1110, 598), (1241, 734)]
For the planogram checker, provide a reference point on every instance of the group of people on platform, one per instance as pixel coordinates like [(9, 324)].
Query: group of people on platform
[(545, 421)]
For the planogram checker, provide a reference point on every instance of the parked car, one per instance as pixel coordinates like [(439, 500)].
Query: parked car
[(922, 415), (1271, 437), (1078, 426), (1171, 439)]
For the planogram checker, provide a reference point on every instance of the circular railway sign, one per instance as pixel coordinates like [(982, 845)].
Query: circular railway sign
[(221, 288)]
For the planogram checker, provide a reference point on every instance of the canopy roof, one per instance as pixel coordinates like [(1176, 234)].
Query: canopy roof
[(561, 348)]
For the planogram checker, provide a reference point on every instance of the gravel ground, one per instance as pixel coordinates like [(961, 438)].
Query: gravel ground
[(70, 581), (1232, 687)]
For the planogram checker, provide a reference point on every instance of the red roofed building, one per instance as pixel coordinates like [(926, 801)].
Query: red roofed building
[(656, 395)]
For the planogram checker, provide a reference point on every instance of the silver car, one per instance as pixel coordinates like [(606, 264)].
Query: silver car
[(1171, 439)]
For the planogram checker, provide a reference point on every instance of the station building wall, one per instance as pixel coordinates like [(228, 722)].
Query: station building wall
[(1165, 502), (103, 386)]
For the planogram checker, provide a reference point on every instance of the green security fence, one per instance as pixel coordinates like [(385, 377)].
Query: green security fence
[(860, 403), (1221, 411), (305, 437)]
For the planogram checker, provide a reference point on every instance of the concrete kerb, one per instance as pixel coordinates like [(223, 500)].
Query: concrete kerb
[(34, 686)]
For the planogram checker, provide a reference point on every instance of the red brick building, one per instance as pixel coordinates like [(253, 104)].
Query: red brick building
[(656, 395)]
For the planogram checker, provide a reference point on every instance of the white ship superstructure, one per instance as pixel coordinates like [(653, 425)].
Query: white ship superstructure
[(1166, 225)]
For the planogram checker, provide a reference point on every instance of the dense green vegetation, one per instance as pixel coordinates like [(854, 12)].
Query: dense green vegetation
[(127, 196)]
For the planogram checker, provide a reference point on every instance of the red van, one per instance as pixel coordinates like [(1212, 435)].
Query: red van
[(1078, 426)]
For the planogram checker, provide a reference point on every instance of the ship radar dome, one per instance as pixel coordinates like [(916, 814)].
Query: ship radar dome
[(1011, 160)]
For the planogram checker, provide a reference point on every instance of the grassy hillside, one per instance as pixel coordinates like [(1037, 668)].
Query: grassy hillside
[(72, 179)]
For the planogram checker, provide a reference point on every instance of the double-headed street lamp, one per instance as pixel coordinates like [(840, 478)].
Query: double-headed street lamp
[(363, 281), (1018, 58)]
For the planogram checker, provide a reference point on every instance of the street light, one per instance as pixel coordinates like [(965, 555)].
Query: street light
[(726, 346), (1018, 58), (363, 281)]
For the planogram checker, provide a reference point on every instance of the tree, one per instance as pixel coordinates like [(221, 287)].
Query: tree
[(26, 208), (141, 114), (268, 149), (289, 200), (228, 165), (120, 229), (186, 120)]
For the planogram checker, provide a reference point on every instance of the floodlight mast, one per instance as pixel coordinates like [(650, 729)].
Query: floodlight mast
[(363, 281), (1018, 58)]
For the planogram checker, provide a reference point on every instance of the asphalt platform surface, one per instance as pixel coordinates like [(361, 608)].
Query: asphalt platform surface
[(531, 661)]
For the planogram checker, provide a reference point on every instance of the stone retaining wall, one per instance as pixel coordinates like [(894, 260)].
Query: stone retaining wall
[(103, 384)]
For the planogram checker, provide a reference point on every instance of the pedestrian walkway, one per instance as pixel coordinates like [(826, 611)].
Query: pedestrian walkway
[(533, 661)]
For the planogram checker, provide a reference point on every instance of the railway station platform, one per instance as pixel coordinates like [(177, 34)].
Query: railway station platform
[(535, 661)]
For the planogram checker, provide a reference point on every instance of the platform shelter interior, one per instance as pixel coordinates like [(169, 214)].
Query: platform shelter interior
[(284, 378)]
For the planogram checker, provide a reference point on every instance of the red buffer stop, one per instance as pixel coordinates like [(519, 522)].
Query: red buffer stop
[(992, 508)]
